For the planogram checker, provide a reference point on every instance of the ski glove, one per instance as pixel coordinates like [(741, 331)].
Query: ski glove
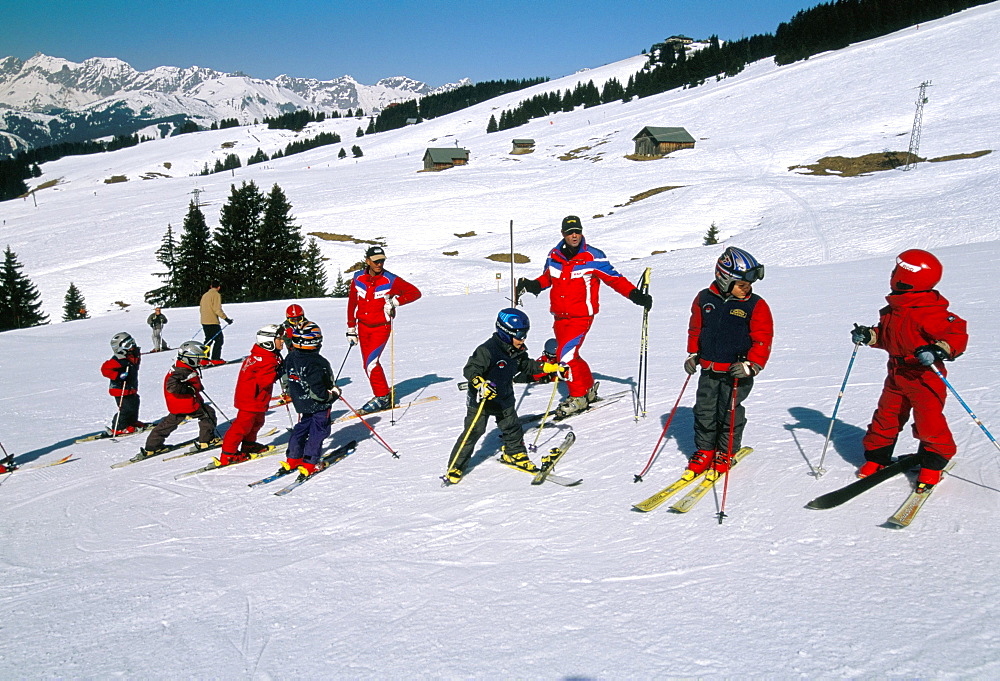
[(863, 334), (284, 398), (743, 369), (640, 298), (391, 304), (555, 368), (228, 320), (352, 335), (930, 354), (691, 364), (530, 285), (485, 390), (334, 394)]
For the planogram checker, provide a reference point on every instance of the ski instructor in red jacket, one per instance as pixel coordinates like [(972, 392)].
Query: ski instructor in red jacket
[(371, 306), (574, 270)]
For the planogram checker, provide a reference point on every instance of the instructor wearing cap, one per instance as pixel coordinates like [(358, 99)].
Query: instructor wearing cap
[(574, 271), (371, 306)]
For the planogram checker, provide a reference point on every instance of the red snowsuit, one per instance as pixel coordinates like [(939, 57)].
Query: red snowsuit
[(574, 302), (254, 386), (366, 311), (910, 320)]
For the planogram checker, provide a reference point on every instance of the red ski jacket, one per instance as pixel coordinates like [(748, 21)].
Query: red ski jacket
[(256, 380), (123, 373), (915, 318), (181, 389), (366, 300), (725, 329), (575, 282)]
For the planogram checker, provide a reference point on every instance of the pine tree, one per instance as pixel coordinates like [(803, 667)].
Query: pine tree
[(370, 130), (360, 132), (278, 261), (236, 242), (74, 307), (166, 254), (192, 259), (711, 236), (356, 150), (20, 304), (343, 153), (314, 280), (342, 288), (492, 125)]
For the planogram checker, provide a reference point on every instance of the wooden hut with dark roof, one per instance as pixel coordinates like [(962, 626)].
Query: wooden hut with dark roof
[(652, 141)]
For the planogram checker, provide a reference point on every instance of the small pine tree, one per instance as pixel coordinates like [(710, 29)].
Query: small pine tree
[(20, 304), (74, 307), (360, 132), (166, 254), (711, 236), (341, 289), (356, 150), (314, 280), (492, 125), (370, 130), (343, 153)]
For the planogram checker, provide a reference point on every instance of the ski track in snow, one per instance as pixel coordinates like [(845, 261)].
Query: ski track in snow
[(372, 569)]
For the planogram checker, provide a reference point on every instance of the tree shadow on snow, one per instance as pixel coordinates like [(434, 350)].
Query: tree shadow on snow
[(845, 438)]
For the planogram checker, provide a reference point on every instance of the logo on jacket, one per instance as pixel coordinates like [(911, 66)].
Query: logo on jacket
[(738, 312), (707, 308), (502, 364)]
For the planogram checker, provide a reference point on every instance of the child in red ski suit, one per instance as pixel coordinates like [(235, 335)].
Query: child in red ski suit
[(259, 371), (918, 331), (374, 295), (122, 370), (729, 339)]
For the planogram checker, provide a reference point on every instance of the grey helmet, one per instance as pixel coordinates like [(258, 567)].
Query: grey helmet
[(267, 335), (121, 343), (192, 352)]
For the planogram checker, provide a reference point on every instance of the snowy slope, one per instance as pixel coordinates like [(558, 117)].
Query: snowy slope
[(372, 569)]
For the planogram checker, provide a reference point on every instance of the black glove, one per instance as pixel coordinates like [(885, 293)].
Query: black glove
[(640, 298), (530, 285), (691, 364), (862, 334), (334, 394), (228, 320), (743, 369), (930, 354)]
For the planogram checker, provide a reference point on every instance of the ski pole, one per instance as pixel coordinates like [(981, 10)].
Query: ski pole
[(729, 454), (454, 457), (534, 445), (362, 419), (349, 348), (652, 457), (833, 418), (640, 389), (962, 402), (392, 373), (8, 459), (228, 420)]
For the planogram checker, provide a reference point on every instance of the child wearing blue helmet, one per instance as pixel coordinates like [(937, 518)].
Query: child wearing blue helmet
[(491, 371)]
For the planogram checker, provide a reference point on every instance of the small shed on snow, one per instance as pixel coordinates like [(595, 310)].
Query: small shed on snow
[(653, 141), (448, 157), (523, 146)]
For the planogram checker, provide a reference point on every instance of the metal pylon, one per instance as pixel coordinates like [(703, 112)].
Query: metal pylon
[(918, 119)]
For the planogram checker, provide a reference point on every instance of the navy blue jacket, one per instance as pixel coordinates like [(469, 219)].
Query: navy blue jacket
[(308, 379)]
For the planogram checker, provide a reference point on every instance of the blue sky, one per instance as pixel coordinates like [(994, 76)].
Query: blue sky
[(435, 41)]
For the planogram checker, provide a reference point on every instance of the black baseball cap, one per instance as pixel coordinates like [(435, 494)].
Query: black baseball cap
[(375, 253), (571, 224)]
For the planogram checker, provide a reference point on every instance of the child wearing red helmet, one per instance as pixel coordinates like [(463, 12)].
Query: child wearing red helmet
[(917, 330)]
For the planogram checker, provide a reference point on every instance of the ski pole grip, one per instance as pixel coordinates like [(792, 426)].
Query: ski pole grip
[(464, 385)]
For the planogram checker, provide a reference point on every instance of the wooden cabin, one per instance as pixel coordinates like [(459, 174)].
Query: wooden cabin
[(653, 141), (523, 146), (440, 159)]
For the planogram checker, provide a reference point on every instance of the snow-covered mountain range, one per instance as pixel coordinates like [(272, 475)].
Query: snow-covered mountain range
[(47, 99)]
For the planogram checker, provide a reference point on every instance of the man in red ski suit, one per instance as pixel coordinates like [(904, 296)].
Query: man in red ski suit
[(182, 392), (574, 270), (917, 331), (260, 369), (729, 339), (375, 294), (123, 372)]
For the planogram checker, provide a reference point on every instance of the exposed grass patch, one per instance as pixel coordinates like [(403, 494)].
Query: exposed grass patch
[(577, 153), (228, 145), (449, 253), (645, 195), (327, 236), (167, 165), (153, 176), (462, 236), (505, 257), (114, 179), (360, 265), (46, 184), (844, 166), (640, 157), (959, 157)]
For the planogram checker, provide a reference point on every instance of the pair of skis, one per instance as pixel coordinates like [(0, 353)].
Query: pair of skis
[(706, 481), (545, 471), (216, 464), (907, 511), (12, 467), (328, 459)]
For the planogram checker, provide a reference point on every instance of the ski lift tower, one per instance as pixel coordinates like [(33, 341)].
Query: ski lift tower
[(918, 119)]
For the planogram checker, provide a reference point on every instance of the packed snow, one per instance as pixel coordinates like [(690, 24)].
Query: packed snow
[(373, 569)]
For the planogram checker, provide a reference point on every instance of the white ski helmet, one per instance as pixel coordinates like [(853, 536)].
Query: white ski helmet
[(192, 352), (121, 343), (267, 335)]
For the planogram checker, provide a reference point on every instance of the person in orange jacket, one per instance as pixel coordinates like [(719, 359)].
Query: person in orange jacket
[(918, 331)]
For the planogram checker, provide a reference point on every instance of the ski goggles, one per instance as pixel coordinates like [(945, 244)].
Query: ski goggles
[(753, 274)]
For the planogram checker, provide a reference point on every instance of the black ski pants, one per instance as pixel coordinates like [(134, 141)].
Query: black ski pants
[(511, 432), (206, 427), (128, 412), (713, 407)]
